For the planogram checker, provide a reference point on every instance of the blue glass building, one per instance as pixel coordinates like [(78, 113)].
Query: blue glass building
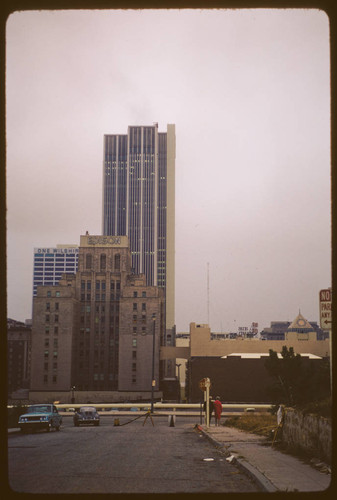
[(50, 263)]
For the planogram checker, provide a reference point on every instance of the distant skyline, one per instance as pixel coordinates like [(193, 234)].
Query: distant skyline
[(249, 93)]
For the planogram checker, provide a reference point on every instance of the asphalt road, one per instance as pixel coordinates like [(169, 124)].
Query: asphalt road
[(132, 458)]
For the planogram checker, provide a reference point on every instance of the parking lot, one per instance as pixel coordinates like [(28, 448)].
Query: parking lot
[(135, 456)]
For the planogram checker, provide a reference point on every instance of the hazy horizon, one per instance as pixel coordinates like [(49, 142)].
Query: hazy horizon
[(249, 93)]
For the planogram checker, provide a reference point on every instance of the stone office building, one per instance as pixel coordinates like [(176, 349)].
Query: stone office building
[(94, 330), (18, 359)]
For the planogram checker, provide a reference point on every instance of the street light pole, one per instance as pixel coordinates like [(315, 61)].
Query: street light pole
[(72, 394), (153, 352), (178, 365)]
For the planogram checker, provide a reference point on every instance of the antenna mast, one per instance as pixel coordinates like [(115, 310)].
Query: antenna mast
[(208, 293)]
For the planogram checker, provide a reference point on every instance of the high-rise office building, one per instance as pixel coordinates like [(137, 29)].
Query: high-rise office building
[(51, 263), (139, 202), (96, 329)]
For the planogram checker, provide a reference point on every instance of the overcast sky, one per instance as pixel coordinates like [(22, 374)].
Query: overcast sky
[(248, 91)]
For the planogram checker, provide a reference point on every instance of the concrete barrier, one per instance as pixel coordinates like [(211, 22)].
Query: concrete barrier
[(308, 432)]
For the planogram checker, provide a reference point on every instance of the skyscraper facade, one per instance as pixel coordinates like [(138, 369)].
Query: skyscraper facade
[(139, 201)]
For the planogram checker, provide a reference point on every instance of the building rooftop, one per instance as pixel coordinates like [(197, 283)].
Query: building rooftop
[(300, 323), (257, 355)]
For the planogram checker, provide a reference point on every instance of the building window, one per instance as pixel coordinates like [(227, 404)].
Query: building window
[(135, 294), (55, 342), (49, 293), (135, 306), (46, 342), (134, 379), (48, 306), (56, 306), (45, 379), (134, 317), (134, 342), (98, 285), (54, 378), (143, 294), (56, 318), (117, 262), (47, 317), (45, 366), (103, 261), (55, 355), (134, 367), (134, 354), (134, 329), (47, 330), (46, 354), (88, 261), (143, 307), (88, 285), (57, 294)]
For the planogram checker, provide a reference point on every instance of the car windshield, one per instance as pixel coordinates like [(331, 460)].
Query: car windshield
[(39, 409), (85, 409)]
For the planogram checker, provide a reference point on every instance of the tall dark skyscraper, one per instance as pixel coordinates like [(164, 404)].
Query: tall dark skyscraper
[(139, 202)]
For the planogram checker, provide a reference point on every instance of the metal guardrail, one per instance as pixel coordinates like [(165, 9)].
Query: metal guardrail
[(158, 406)]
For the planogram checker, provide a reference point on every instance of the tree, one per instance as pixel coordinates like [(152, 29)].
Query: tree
[(286, 372), (294, 382)]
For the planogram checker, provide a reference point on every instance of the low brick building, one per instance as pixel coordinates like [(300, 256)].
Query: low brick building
[(239, 377)]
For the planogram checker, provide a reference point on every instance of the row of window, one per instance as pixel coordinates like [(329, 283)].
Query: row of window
[(102, 261), (100, 285), (46, 354), (57, 308), (56, 318), (46, 365), (46, 342), (47, 330)]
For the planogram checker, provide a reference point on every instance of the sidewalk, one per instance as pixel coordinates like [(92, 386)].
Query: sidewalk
[(272, 469)]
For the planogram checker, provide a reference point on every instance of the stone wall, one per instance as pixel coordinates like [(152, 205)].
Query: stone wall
[(309, 433)]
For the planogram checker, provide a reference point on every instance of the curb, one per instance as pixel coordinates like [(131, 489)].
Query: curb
[(242, 464)]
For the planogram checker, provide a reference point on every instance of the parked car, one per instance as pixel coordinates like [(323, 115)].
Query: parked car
[(86, 415), (43, 416)]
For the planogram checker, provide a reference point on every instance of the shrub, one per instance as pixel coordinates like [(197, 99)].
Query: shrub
[(262, 424)]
